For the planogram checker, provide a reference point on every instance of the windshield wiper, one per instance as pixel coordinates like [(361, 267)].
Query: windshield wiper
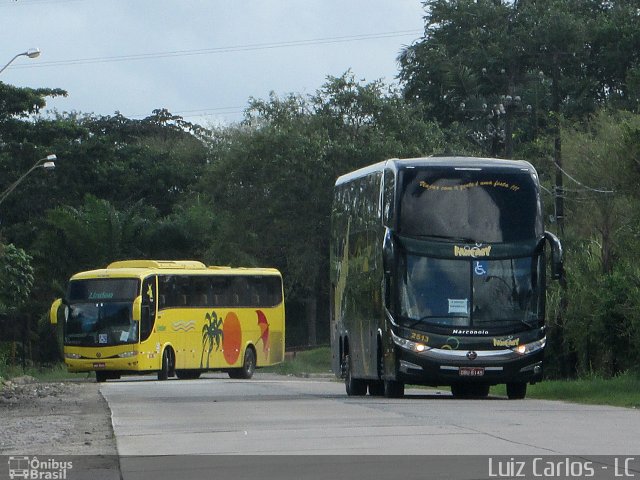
[(450, 238), (531, 323), (427, 317), (527, 323)]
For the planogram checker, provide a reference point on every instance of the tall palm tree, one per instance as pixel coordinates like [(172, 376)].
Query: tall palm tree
[(211, 333)]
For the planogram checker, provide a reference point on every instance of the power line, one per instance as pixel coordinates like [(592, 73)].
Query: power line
[(227, 49), (597, 190), (26, 3), (546, 189), (201, 112)]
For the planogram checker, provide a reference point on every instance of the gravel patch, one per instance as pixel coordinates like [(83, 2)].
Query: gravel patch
[(58, 418)]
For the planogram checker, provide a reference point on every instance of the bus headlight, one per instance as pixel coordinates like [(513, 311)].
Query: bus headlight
[(408, 344), (128, 354), (527, 348), (72, 356)]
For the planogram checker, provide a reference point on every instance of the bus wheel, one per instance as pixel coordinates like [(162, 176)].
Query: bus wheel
[(163, 374), (516, 390), (376, 388), (101, 376), (393, 389), (354, 386), (248, 366)]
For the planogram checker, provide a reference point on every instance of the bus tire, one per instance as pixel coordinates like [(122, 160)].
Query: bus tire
[(101, 376), (393, 389), (165, 367), (248, 366), (516, 390), (354, 386), (376, 388)]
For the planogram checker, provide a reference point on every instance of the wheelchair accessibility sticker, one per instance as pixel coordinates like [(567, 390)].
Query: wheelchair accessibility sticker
[(480, 268)]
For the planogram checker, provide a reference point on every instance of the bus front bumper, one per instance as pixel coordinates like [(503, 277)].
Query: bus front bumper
[(83, 364), (435, 367)]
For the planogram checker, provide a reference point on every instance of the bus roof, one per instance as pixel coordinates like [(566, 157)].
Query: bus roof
[(183, 264), (142, 268), (437, 161)]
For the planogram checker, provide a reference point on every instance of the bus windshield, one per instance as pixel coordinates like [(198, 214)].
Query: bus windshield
[(469, 204), (461, 293), (100, 312)]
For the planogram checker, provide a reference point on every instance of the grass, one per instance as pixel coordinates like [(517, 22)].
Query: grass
[(50, 373), (308, 362), (620, 391)]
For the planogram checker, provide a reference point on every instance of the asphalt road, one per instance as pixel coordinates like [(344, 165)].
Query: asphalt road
[(271, 415)]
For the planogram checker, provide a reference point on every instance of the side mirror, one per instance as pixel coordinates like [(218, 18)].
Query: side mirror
[(53, 311), (56, 312), (388, 252), (557, 262), (136, 314)]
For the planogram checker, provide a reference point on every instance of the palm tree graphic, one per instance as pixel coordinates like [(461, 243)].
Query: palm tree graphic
[(211, 333)]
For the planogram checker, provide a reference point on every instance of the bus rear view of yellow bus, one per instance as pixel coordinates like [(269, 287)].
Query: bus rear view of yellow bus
[(171, 318)]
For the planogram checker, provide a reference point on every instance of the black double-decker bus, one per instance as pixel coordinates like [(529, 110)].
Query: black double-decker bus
[(438, 276)]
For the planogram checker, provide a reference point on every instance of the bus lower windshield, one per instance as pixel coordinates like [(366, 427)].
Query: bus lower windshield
[(502, 294), (100, 312)]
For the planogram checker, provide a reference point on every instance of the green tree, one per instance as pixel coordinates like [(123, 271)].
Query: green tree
[(16, 282), (92, 236), (270, 186), (507, 70), (602, 173), (190, 231), (16, 278), (22, 102), (271, 180)]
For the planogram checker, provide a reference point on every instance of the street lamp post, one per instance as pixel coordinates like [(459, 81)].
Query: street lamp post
[(48, 163), (31, 53)]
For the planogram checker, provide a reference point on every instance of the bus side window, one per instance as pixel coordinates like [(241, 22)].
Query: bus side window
[(167, 292), (274, 291), (220, 291)]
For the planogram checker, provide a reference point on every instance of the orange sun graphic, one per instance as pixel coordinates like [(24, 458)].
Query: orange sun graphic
[(231, 338)]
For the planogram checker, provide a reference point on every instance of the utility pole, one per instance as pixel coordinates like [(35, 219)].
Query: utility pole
[(557, 145), (559, 210)]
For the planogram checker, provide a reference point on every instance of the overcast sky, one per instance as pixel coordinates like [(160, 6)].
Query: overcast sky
[(202, 59)]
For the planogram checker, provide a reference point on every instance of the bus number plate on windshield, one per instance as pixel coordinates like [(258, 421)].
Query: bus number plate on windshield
[(471, 371)]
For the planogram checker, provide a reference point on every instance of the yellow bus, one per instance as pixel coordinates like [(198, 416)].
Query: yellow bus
[(171, 317)]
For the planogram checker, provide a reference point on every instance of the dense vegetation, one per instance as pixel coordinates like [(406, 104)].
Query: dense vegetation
[(554, 82)]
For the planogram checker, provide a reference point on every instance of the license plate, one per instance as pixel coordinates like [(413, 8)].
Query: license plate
[(471, 371), (99, 365)]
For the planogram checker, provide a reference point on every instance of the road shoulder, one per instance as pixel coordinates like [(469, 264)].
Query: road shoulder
[(58, 418)]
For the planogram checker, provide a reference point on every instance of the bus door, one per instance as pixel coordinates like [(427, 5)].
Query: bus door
[(149, 307)]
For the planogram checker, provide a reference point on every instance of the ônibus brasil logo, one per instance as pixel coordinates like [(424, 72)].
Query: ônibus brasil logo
[(34, 468)]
